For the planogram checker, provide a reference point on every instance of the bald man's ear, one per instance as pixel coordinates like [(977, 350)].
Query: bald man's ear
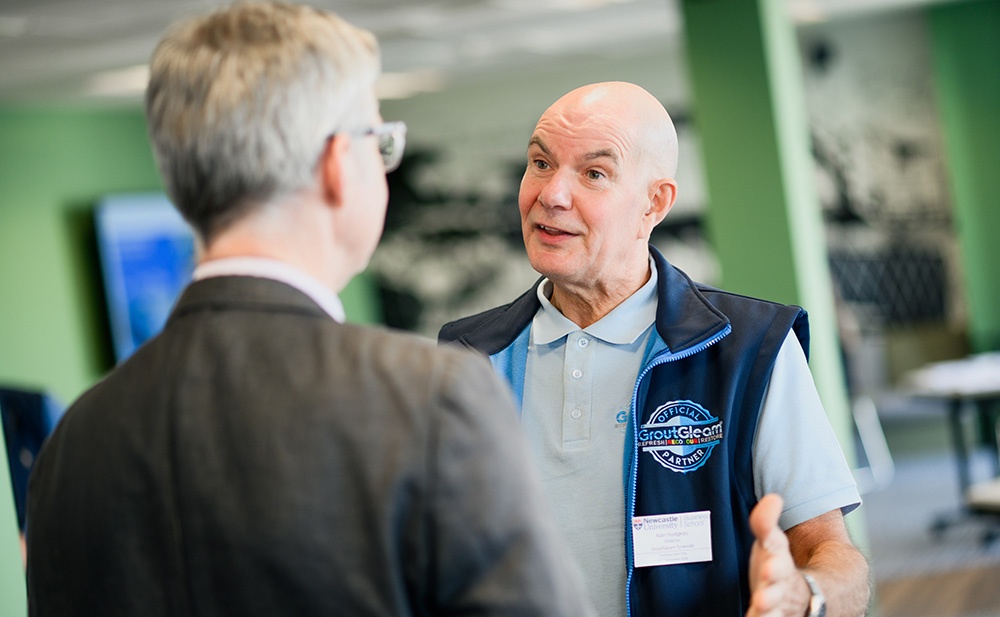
[(662, 195), (331, 169)]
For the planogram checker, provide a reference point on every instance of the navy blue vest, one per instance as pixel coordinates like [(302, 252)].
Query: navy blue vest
[(725, 385)]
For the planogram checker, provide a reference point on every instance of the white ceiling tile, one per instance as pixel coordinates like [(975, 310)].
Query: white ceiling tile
[(50, 48)]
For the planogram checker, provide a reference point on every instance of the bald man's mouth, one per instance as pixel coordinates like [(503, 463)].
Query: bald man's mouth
[(553, 231)]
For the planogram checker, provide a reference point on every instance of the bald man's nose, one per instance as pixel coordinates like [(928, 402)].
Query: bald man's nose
[(556, 193)]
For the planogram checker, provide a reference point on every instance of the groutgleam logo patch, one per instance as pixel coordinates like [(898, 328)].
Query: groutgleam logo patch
[(680, 435)]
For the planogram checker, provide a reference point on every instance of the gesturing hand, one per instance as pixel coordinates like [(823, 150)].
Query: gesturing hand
[(777, 589)]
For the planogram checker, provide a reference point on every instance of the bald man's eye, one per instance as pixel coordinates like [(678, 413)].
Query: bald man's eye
[(593, 174), (540, 164)]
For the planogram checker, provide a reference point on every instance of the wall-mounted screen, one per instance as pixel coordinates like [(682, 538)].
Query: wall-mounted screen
[(147, 254)]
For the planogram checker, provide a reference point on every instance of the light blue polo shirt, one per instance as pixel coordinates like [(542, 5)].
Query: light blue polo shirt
[(577, 393)]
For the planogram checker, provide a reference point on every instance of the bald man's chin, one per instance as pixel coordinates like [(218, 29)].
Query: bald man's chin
[(553, 263)]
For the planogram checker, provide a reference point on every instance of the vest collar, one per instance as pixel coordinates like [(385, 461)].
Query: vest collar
[(684, 317)]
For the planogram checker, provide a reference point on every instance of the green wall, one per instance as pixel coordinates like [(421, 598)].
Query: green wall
[(54, 165), (965, 40)]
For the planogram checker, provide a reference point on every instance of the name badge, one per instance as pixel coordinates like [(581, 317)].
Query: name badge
[(669, 539)]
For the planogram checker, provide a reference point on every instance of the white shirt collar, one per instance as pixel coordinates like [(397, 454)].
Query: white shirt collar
[(262, 267), (623, 325)]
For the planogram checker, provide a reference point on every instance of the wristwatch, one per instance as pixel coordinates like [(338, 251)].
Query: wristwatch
[(817, 601)]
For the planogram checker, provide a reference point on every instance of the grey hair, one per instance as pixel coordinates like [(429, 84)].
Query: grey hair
[(241, 102)]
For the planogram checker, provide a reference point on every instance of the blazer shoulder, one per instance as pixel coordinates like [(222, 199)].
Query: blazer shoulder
[(399, 347)]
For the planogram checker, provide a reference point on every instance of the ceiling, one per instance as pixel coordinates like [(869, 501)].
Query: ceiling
[(72, 51)]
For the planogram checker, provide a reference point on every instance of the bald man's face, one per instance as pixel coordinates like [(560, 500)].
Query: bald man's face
[(586, 198)]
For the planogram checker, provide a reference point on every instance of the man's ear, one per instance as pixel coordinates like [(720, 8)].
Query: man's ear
[(332, 172), (662, 195)]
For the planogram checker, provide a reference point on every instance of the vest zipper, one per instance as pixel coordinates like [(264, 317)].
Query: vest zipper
[(658, 360)]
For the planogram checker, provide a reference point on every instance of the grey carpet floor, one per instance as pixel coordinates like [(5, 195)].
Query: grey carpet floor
[(900, 516)]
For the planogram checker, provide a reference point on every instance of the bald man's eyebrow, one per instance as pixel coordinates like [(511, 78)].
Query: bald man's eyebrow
[(537, 141), (597, 154)]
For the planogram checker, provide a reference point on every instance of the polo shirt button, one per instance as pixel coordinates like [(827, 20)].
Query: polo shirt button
[(577, 374), (583, 342), (576, 413)]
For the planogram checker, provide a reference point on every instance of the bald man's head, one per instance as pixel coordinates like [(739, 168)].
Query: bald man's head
[(631, 110), (599, 179)]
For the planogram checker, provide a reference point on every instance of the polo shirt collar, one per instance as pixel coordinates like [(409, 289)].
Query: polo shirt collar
[(623, 325)]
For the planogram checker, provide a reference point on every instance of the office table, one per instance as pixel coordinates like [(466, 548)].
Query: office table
[(969, 383)]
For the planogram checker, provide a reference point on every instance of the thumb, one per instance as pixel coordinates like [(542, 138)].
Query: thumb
[(764, 517)]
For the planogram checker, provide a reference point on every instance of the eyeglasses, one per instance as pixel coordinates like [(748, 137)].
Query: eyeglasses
[(391, 142)]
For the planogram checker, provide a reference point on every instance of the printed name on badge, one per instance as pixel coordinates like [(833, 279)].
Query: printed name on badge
[(669, 539)]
